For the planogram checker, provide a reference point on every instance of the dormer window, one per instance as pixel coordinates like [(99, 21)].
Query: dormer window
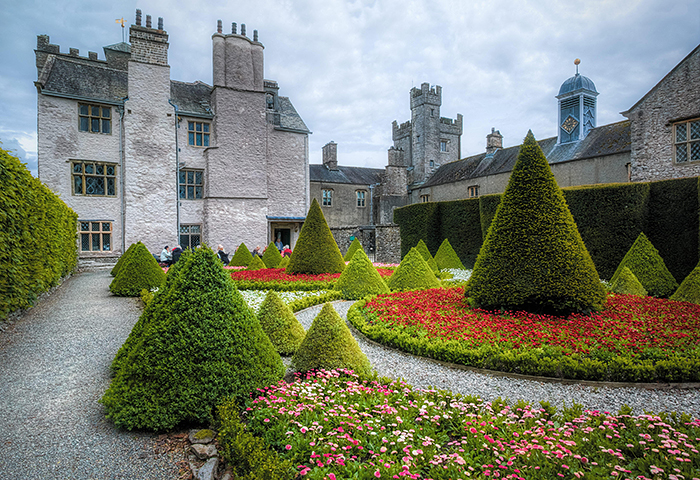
[(270, 101)]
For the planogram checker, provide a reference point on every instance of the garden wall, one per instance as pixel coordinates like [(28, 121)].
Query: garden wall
[(37, 237), (609, 218)]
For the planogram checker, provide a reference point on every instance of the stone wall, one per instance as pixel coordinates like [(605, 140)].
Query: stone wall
[(343, 210), (388, 241)]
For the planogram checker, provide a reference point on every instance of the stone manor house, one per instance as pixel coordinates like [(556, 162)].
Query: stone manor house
[(659, 140), (142, 157)]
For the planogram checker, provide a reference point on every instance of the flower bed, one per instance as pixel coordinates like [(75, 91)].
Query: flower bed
[(296, 300), (278, 279), (332, 425), (638, 339)]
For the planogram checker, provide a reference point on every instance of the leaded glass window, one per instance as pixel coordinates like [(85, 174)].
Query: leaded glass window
[(191, 184), (190, 236), (94, 179), (327, 198), (94, 118), (198, 134), (95, 236), (687, 141)]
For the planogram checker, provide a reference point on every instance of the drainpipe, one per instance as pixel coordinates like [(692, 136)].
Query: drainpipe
[(371, 202), (121, 173), (177, 175)]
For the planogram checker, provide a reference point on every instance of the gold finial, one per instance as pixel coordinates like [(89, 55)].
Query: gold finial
[(122, 22), (577, 62)]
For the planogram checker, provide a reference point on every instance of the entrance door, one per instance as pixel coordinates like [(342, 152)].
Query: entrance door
[(283, 233)]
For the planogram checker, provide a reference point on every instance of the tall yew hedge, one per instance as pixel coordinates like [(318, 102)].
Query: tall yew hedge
[(37, 236)]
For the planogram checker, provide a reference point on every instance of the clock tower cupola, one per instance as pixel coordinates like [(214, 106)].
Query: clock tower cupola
[(577, 108)]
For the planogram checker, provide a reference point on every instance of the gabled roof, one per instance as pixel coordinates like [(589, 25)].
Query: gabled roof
[(346, 175), (79, 78), (191, 98), (601, 141), (289, 118)]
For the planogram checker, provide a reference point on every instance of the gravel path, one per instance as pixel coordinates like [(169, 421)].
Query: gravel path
[(54, 367), (424, 373)]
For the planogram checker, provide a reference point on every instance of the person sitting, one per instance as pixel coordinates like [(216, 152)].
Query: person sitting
[(176, 252), (166, 257), (223, 256), (286, 251), (257, 252)]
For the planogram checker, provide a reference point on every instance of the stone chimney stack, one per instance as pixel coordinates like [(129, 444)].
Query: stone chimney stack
[(396, 157), (494, 141), (330, 155), (238, 61), (148, 45)]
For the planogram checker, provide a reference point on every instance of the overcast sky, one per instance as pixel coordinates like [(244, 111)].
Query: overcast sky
[(348, 66)]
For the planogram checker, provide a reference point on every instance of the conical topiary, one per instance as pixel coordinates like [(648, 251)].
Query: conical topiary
[(139, 271), (241, 258), (201, 344), (329, 345), (352, 249), (360, 278), (533, 257), (284, 263), (122, 260), (280, 324), (446, 257), (627, 283), (644, 261), (689, 290), (316, 251), (272, 257), (425, 253), (413, 273), (256, 264)]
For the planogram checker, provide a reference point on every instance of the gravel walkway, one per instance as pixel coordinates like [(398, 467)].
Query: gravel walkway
[(54, 367), (424, 373)]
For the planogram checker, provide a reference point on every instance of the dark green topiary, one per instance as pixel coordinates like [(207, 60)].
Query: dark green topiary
[(354, 246), (284, 263), (446, 257), (425, 253), (122, 260), (413, 273), (649, 268), (316, 251), (140, 270), (329, 345), (256, 264), (272, 257), (689, 290), (200, 345), (533, 257), (360, 278), (627, 283), (280, 324), (241, 258)]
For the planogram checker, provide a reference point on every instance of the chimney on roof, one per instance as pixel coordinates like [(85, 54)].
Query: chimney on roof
[(330, 155), (494, 141)]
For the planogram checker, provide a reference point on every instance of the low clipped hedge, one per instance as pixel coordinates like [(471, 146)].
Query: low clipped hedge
[(284, 286), (312, 301), (360, 278), (279, 323), (272, 257), (122, 260), (413, 273), (241, 258), (38, 234), (139, 271)]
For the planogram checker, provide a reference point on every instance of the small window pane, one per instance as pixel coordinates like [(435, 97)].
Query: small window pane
[(681, 153), (94, 186), (95, 226), (194, 241), (106, 226), (110, 187), (106, 112), (190, 192), (110, 169), (182, 175), (695, 151), (681, 133), (183, 191), (184, 229), (95, 125), (84, 124), (85, 242), (199, 127), (195, 229), (190, 140), (95, 111), (695, 130), (96, 242), (206, 127), (78, 185), (77, 167), (89, 168), (199, 139), (106, 126), (190, 125), (106, 242), (99, 169), (198, 178), (198, 192), (190, 177), (84, 110), (84, 226), (184, 241), (206, 140)]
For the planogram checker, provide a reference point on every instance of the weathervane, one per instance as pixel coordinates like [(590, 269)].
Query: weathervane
[(577, 62), (122, 23)]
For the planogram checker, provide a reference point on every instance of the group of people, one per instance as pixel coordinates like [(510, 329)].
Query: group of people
[(284, 250), (168, 256)]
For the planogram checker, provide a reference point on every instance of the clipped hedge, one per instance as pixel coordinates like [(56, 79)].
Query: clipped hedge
[(272, 257), (425, 253), (447, 258), (627, 283), (360, 278), (647, 265), (139, 271), (122, 260), (352, 249), (420, 221), (413, 273), (313, 300), (38, 235), (316, 250), (459, 222), (279, 323), (256, 264), (241, 258), (689, 289)]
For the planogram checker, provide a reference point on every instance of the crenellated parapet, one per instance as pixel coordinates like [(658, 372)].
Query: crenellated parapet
[(400, 131), (425, 95), (449, 126)]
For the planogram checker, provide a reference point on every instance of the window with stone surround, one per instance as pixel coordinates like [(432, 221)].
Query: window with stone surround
[(443, 145), (190, 236), (327, 195), (94, 179), (94, 118), (424, 198), (361, 197), (687, 141), (198, 134), (473, 191), (191, 184), (95, 235)]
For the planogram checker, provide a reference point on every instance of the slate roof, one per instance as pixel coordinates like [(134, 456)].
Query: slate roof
[(347, 175), (65, 76), (289, 118), (119, 47), (601, 141), (193, 98), (577, 82)]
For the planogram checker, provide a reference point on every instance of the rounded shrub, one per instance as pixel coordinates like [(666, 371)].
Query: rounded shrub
[(627, 283), (352, 249), (413, 273), (360, 278), (241, 258), (256, 264), (201, 344), (139, 271), (272, 257), (280, 324), (122, 260), (446, 257), (329, 345), (689, 290), (316, 251), (649, 268), (425, 253), (533, 257), (284, 262)]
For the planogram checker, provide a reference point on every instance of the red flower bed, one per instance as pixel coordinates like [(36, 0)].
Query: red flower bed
[(278, 275), (628, 324)]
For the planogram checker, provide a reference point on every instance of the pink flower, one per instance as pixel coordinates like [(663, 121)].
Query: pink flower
[(331, 476), (288, 447)]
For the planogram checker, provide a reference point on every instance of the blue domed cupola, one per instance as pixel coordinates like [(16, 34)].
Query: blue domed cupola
[(577, 107)]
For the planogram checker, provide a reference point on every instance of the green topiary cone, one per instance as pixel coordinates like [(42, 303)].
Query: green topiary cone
[(256, 264), (329, 345), (272, 257), (241, 258), (627, 283), (122, 260), (284, 263), (280, 324), (201, 345), (425, 253), (533, 257), (689, 290), (352, 249), (413, 273), (649, 268), (360, 278), (139, 271), (316, 251), (446, 257)]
